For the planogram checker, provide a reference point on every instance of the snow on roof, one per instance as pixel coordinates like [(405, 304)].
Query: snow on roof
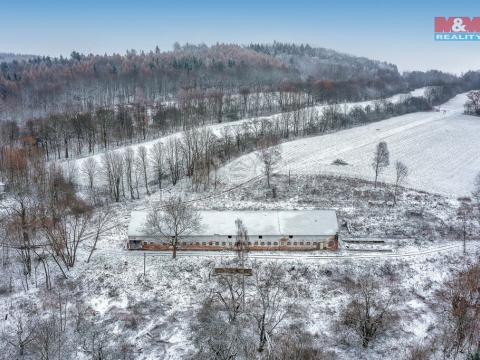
[(271, 222)]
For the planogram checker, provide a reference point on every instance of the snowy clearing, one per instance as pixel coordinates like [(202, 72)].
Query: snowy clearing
[(440, 149)]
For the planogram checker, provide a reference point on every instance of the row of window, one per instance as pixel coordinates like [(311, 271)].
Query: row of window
[(261, 236), (223, 243)]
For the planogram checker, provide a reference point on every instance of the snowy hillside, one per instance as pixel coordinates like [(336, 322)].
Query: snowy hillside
[(440, 149), (217, 128)]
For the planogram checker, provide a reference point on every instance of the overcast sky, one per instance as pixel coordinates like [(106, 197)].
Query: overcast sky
[(400, 32)]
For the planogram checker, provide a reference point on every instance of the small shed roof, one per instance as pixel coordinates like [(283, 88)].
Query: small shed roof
[(268, 222)]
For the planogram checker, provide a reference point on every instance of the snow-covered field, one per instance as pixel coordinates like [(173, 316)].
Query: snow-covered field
[(217, 129), (441, 149)]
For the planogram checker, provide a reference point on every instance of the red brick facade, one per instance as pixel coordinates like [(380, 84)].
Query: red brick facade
[(328, 244)]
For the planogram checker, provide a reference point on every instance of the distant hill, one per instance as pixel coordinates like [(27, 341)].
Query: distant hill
[(327, 64), (33, 86), (9, 57)]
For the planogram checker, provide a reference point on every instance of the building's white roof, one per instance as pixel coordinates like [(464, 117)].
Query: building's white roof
[(270, 222)]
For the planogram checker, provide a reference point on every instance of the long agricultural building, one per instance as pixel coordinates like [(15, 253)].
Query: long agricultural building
[(267, 230)]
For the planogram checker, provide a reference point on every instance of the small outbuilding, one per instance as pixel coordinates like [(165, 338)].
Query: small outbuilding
[(267, 230)]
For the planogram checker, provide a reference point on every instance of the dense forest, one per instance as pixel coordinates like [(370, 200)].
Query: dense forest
[(9, 57), (40, 86)]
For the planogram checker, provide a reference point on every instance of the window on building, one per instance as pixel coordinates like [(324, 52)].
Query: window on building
[(301, 243), (262, 243), (269, 243), (295, 243), (217, 243), (288, 243), (308, 242), (275, 243), (204, 243), (256, 242)]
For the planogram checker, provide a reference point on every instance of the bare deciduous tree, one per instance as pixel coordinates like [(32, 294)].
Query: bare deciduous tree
[(102, 218), (476, 196), (65, 230), (20, 224), (229, 292), (173, 159), (43, 257), (298, 344), (369, 312), (222, 329), (113, 170), (472, 106), (173, 220), (21, 335), (129, 161), (465, 215), (401, 174), (219, 339), (460, 322), (142, 160), (270, 156), (270, 304), (381, 159), (157, 157), (241, 247), (89, 168)]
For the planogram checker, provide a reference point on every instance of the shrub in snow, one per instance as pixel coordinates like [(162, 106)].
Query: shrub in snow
[(339, 162)]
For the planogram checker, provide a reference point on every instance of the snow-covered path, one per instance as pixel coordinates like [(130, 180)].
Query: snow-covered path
[(441, 149), (319, 256)]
